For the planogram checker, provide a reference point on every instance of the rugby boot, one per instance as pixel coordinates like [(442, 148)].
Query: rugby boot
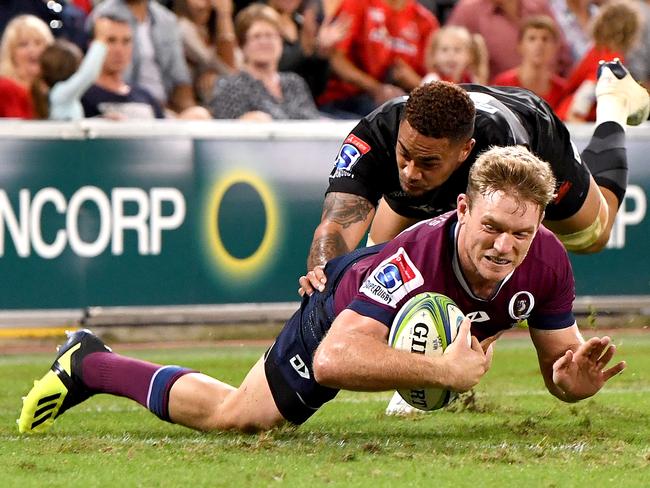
[(615, 79), (398, 406), (62, 386)]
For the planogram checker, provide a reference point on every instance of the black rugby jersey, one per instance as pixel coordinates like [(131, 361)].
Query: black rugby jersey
[(366, 164)]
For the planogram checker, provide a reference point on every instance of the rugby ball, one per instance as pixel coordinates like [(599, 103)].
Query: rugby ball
[(426, 324)]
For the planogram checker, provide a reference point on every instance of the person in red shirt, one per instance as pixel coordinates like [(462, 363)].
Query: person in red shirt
[(499, 21), (615, 31), (381, 57), (15, 101), (23, 41), (538, 45)]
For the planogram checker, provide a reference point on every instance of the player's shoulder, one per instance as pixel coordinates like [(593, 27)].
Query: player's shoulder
[(547, 250), (389, 112), (424, 232), (378, 130), (512, 96)]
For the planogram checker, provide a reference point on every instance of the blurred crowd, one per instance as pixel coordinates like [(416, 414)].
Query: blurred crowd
[(302, 59)]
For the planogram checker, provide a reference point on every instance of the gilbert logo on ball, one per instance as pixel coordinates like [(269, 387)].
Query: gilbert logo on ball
[(426, 324)]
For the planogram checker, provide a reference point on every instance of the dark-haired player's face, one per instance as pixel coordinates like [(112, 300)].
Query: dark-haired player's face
[(425, 163), (495, 236)]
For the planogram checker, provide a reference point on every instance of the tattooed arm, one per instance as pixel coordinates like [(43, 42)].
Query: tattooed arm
[(345, 220)]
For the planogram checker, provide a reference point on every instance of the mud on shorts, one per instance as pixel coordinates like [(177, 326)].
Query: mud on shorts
[(288, 362)]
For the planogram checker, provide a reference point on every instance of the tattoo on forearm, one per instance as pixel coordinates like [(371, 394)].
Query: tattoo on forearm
[(325, 248), (346, 210), (341, 209)]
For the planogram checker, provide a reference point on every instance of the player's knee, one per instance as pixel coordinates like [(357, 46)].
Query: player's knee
[(322, 365)]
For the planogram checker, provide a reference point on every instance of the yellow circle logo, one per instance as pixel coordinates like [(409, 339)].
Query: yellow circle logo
[(235, 266)]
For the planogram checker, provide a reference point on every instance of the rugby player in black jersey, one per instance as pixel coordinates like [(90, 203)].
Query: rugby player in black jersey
[(409, 159)]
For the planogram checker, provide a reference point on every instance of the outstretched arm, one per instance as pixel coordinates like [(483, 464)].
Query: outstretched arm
[(344, 221), (574, 369)]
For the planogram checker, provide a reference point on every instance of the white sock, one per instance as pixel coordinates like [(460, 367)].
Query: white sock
[(611, 108)]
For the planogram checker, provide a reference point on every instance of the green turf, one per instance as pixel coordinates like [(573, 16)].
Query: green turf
[(509, 433)]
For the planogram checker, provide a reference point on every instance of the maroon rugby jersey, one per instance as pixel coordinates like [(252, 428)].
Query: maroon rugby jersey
[(423, 258)]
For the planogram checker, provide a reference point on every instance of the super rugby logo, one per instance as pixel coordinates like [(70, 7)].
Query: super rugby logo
[(389, 282), (351, 150)]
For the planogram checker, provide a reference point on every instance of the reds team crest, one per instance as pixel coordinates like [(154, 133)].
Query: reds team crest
[(392, 280)]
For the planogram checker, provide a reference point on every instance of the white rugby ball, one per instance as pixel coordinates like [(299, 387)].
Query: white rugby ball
[(426, 324)]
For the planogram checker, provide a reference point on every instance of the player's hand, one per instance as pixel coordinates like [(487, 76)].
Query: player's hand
[(581, 373), (465, 360), (312, 281)]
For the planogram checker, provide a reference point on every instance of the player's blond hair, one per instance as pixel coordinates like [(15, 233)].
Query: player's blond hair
[(515, 171)]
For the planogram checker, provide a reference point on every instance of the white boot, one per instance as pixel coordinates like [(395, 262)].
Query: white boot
[(619, 97), (397, 406)]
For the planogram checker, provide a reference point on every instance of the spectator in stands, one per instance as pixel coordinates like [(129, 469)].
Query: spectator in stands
[(457, 56), (158, 60), (260, 91), (23, 42), (64, 18), (499, 21), (381, 57), (638, 60), (614, 31), (538, 45), (306, 44), (209, 41), (66, 74), (573, 18), (112, 96)]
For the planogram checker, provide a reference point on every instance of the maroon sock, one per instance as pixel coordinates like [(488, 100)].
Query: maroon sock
[(148, 384), (106, 372)]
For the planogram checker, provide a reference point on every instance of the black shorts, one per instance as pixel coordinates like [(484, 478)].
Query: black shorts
[(288, 362), (571, 173)]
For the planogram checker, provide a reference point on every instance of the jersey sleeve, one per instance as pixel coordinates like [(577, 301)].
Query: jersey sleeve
[(555, 310), (393, 279), (358, 164)]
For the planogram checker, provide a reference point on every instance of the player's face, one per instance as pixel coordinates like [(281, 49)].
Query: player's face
[(425, 163), (494, 237)]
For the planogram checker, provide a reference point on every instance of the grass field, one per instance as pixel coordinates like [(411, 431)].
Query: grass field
[(509, 433)]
